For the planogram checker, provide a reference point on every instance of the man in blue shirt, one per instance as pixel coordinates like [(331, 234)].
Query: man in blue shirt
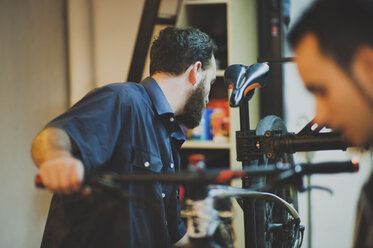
[(127, 128)]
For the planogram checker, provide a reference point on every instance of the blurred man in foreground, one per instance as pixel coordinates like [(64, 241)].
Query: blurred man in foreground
[(333, 43)]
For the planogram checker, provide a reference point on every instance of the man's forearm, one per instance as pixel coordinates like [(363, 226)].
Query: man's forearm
[(50, 143)]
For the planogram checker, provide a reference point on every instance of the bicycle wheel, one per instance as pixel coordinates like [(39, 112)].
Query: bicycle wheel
[(269, 215)]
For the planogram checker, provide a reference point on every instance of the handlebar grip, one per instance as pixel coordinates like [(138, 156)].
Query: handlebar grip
[(38, 182), (329, 167)]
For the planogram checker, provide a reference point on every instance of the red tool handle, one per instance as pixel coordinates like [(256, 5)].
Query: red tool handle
[(38, 182)]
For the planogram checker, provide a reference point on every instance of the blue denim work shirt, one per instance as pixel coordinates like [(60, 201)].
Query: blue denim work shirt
[(125, 128)]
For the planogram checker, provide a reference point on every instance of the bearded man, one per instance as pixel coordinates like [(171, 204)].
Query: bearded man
[(127, 128)]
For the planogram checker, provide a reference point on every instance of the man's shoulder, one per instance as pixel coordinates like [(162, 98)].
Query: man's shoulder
[(125, 87), (128, 90), (125, 93)]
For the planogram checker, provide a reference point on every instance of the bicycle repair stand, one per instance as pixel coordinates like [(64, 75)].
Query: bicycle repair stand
[(273, 143)]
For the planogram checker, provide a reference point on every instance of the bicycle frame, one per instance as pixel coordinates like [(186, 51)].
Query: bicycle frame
[(203, 219)]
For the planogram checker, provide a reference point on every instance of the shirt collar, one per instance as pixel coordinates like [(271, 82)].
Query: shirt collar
[(156, 95), (162, 106), (179, 137)]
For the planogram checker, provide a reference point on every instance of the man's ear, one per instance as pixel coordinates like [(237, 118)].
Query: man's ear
[(363, 64), (195, 72)]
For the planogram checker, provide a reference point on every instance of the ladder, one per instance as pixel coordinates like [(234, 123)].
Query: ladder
[(149, 19)]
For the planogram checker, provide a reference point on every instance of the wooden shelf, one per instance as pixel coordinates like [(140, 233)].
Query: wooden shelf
[(191, 144), (220, 73), (201, 2), (222, 20)]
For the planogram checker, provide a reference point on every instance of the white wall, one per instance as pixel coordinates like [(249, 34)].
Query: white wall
[(332, 216), (115, 26), (33, 89), (102, 35), (42, 71)]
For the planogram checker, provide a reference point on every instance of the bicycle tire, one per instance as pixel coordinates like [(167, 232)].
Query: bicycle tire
[(267, 212)]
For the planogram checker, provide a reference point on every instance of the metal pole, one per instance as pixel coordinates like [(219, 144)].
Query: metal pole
[(248, 205)]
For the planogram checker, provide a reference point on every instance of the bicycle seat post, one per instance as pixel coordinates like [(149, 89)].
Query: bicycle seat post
[(243, 80), (249, 205)]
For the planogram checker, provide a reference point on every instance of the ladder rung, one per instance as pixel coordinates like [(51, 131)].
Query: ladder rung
[(166, 20)]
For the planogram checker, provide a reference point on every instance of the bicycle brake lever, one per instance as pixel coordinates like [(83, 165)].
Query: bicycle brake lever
[(243, 80)]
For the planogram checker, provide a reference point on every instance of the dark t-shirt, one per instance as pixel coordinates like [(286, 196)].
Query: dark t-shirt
[(364, 218), (125, 128)]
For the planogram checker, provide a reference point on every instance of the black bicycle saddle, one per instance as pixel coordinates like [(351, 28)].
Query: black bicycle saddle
[(243, 80)]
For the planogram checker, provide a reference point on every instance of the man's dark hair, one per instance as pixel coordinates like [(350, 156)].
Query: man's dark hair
[(340, 27), (176, 49)]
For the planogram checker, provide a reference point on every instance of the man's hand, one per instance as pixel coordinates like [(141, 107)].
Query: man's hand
[(59, 170), (62, 175)]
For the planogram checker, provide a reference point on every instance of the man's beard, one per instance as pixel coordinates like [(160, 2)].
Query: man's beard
[(192, 114)]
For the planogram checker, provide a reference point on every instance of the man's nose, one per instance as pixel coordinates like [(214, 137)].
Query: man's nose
[(322, 115)]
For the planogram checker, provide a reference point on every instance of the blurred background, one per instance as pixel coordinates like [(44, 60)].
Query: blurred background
[(52, 52)]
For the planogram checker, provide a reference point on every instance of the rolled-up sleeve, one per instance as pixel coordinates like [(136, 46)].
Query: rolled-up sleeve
[(94, 125)]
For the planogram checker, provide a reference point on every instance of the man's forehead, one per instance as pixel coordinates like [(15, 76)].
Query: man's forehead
[(310, 62), (307, 48), (309, 59)]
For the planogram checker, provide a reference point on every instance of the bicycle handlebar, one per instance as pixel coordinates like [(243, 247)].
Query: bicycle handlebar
[(329, 167), (291, 143), (282, 170)]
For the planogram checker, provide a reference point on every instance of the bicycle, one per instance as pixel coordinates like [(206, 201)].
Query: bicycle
[(270, 177)]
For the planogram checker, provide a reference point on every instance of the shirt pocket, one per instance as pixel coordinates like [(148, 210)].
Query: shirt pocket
[(148, 194), (146, 161)]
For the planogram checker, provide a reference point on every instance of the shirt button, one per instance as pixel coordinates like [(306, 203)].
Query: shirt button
[(163, 195), (172, 119), (172, 165), (146, 164)]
